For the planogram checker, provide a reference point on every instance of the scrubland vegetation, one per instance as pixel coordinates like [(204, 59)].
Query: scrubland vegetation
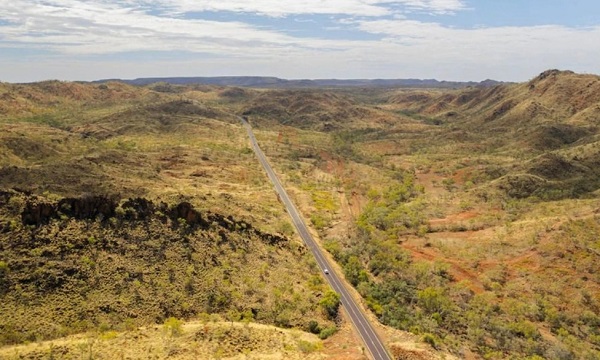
[(138, 207), (471, 221), (467, 218)]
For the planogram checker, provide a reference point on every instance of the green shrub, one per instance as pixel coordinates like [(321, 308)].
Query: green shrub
[(354, 271), (204, 317), (525, 329), (3, 268), (431, 340), (334, 248), (433, 300), (308, 347), (331, 304), (285, 228), (173, 327), (327, 332), (318, 221), (314, 327), (16, 205)]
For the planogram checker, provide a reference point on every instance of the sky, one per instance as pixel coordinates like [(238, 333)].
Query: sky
[(456, 40)]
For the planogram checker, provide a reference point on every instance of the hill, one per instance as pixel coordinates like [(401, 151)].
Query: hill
[(82, 263), (555, 112), (122, 206), (314, 110), (452, 220), (560, 104), (274, 82), (35, 98), (466, 219)]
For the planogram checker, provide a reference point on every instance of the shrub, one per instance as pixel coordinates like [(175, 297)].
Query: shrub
[(314, 327), (334, 248), (327, 332), (433, 300), (173, 327), (431, 340), (525, 329), (3, 268), (16, 205), (318, 221), (109, 335), (286, 228), (308, 347), (331, 304), (128, 325), (354, 271), (204, 317)]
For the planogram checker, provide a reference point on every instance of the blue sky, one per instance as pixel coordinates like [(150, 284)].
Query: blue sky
[(511, 40)]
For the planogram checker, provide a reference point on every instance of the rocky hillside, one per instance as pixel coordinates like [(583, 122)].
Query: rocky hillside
[(554, 109), (551, 122), (273, 82), (123, 206), (77, 264), (31, 99), (315, 110)]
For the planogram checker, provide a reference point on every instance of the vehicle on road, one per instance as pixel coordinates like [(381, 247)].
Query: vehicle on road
[(361, 323)]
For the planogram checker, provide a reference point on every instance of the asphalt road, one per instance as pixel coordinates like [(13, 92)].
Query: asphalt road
[(369, 337)]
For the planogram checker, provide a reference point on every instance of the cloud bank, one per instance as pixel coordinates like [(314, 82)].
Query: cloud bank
[(83, 40)]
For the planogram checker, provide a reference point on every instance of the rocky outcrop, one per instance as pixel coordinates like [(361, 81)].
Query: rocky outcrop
[(91, 207), (38, 211), (83, 261)]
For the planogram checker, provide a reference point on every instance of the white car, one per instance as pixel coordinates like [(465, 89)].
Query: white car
[(326, 271)]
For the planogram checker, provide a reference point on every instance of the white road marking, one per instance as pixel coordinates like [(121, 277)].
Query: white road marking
[(358, 319)]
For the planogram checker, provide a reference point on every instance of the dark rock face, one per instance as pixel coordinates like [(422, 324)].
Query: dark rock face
[(39, 212), (88, 207), (186, 211), (36, 213), (140, 208), (93, 260)]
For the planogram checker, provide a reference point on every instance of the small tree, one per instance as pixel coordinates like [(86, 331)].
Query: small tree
[(173, 327), (331, 304), (354, 271), (314, 327), (3, 268)]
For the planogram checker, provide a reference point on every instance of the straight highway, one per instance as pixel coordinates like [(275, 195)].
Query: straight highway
[(364, 328)]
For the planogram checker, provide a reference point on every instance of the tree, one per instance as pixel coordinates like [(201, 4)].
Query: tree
[(433, 300), (354, 271), (331, 304)]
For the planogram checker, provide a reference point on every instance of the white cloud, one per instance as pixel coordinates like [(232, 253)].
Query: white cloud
[(77, 27), (501, 41), (507, 53), (76, 30), (293, 7)]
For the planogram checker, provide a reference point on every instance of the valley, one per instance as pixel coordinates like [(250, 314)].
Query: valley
[(466, 220)]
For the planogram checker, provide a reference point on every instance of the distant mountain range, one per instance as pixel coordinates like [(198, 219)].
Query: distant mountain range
[(274, 82)]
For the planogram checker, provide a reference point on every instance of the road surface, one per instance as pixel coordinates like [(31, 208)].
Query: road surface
[(358, 319)]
